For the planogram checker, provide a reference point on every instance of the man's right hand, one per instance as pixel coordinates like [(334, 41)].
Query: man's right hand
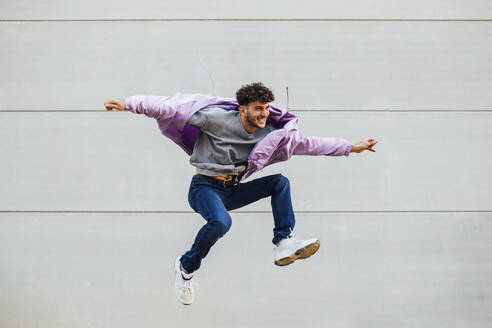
[(115, 104)]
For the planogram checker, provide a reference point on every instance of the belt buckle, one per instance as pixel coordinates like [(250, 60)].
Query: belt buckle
[(232, 179)]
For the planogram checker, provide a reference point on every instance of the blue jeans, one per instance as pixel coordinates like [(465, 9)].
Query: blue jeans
[(213, 201)]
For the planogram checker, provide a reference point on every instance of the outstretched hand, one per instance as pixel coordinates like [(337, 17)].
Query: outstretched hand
[(115, 104), (366, 144)]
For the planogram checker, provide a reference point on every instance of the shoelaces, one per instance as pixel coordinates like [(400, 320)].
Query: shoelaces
[(291, 236), (189, 284)]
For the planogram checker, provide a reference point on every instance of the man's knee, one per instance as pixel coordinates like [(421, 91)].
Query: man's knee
[(280, 182), (222, 223)]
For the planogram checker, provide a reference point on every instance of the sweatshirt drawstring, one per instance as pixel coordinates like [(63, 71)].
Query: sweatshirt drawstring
[(209, 74)]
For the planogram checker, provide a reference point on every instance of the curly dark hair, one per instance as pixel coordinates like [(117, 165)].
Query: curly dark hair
[(253, 92)]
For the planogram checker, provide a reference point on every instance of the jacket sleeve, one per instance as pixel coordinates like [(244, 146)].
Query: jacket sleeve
[(157, 107), (312, 145)]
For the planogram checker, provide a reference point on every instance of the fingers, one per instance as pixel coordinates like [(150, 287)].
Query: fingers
[(109, 106), (112, 104), (370, 142)]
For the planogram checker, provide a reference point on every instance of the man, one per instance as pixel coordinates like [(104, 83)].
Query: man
[(228, 140)]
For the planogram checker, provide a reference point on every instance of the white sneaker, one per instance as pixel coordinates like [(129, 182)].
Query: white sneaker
[(290, 249), (185, 289)]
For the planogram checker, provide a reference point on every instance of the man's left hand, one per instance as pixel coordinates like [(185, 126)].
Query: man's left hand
[(366, 144)]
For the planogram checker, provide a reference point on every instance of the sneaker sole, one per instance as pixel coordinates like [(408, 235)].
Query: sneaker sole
[(302, 253)]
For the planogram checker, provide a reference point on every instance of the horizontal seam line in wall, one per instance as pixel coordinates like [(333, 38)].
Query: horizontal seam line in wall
[(255, 20), (253, 212), (291, 110)]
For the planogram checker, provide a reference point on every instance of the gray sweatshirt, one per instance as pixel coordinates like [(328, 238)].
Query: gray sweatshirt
[(223, 145)]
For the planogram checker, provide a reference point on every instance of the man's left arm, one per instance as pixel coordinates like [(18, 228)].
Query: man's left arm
[(312, 145)]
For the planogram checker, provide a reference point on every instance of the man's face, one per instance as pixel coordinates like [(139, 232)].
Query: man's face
[(255, 114)]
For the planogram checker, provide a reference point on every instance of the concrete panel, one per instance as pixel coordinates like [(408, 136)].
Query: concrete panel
[(115, 270), (118, 161), (253, 9), (327, 65)]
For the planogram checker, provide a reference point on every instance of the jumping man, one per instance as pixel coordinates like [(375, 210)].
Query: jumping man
[(228, 140)]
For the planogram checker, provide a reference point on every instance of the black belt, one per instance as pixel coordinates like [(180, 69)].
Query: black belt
[(226, 184)]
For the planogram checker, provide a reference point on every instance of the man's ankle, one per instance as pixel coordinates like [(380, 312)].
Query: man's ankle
[(185, 274)]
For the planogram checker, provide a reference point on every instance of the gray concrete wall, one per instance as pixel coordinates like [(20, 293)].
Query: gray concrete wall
[(93, 207)]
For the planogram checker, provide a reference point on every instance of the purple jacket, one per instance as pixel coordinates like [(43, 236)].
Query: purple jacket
[(172, 113)]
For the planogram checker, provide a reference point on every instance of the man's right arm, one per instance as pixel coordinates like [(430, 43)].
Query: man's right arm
[(152, 106)]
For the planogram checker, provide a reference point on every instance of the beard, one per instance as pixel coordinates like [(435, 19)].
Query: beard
[(251, 121)]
